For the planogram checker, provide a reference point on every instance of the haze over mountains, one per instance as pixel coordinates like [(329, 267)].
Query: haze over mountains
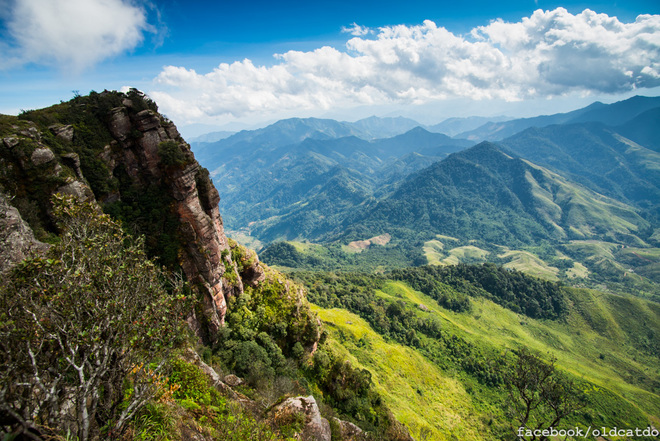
[(592, 174)]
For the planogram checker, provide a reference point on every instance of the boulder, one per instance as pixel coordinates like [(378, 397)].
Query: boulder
[(316, 428), (120, 124), (147, 120), (78, 190), (63, 132), (42, 156), (349, 431), (73, 161), (233, 380), (11, 142)]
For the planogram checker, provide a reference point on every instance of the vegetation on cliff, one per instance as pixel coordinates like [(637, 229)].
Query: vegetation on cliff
[(85, 331), (100, 327), (95, 345)]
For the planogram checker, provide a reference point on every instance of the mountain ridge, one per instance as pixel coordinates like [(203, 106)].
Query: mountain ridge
[(610, 114)]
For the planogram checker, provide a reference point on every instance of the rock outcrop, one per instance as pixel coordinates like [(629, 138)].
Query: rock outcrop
[(16, 236), (315, 427), (205, 254), (134, 137)]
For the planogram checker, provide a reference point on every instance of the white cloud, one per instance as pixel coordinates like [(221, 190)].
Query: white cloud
[(550, 53), (356, 30), (71, 34)]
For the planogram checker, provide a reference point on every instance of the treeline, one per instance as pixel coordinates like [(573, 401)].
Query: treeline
[(333, 257), (511, 289)]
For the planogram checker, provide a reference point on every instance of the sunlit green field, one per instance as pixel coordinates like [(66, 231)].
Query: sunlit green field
[(601, 341)]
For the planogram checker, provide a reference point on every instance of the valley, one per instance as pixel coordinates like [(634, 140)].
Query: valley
[(570, 198)]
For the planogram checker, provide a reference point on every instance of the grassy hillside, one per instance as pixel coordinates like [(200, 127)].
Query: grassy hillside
[(608, 342)]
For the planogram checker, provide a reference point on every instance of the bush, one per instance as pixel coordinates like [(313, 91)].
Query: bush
[(171, 155)]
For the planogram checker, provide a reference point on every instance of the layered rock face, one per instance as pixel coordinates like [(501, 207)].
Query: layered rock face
[(205, 254), (16, 237)]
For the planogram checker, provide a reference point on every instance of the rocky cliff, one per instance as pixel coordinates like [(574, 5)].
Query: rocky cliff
[(114, 148), (205, 255)]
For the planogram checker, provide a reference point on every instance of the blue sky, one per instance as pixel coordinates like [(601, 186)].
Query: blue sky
[(213, 64)]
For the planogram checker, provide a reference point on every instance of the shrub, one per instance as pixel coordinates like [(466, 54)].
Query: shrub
[(89, 326)]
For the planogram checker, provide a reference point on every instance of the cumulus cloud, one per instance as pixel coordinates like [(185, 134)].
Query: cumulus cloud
[(547, 54), (71, 34)]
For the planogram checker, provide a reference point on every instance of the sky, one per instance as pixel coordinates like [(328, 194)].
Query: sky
[(214, 65)]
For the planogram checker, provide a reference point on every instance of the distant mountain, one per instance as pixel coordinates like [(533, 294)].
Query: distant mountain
[(295, 130), (211, 137), (455, 126), (620, 112), (266, 180), (598, 157), (424, 142), (482, 193), (644, 129), (375, 127), (611, 114)]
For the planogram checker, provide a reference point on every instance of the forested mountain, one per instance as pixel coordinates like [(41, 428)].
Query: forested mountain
[(300, 189), (482, 193), (598, 157)]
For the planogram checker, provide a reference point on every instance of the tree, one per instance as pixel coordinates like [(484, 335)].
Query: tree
[(84, 330), (540, 395)]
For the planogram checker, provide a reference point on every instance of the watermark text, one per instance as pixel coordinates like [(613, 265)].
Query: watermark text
[(577, 432)]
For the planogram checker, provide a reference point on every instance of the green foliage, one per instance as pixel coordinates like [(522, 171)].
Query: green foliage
[(92, 315), (140, 101), (540, 396), (154, 422), (350, 391), (171, 155), (264, 326), (148, 211), (334, 257), (533, 297), (398, 320), (621, 387), (193, 384), (89, 116)]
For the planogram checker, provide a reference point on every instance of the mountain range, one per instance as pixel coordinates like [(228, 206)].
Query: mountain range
[(567, 181)]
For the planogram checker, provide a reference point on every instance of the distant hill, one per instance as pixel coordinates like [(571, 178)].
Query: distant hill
[(598, 157), (455, 126), (482, 193), (375, 127), (612, 114), (212, 136), (644, 129)]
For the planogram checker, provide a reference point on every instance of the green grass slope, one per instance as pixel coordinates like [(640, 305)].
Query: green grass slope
[(609, 343)]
